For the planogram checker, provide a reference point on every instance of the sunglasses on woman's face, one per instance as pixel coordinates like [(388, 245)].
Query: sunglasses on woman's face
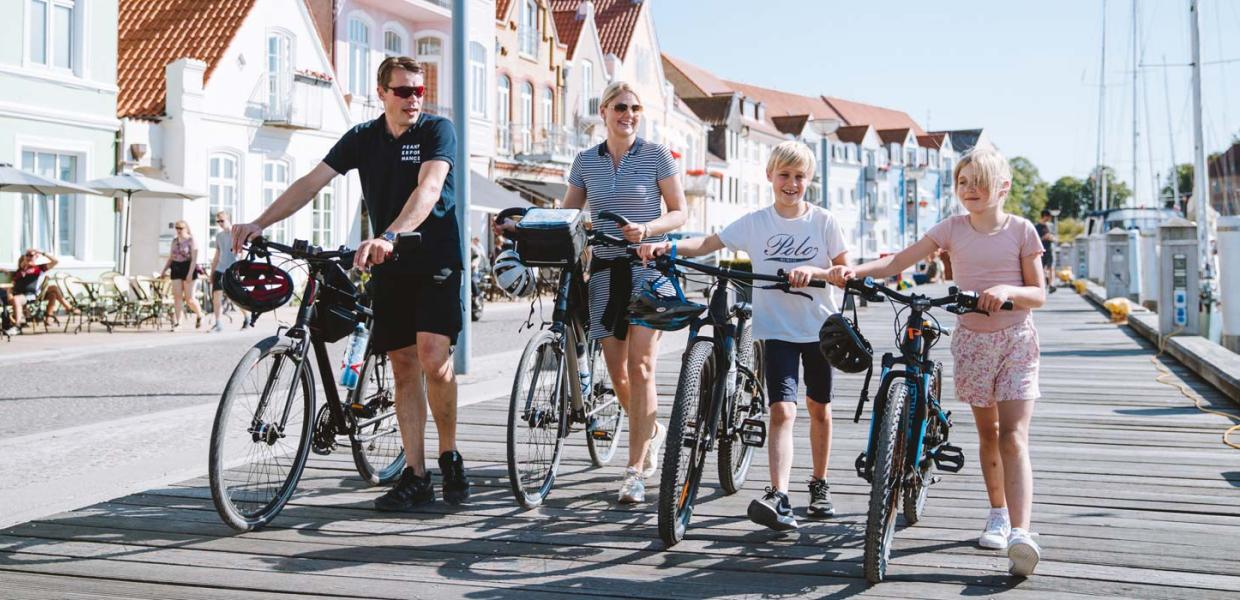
[(622, 107), (180, 228), (406, 91)]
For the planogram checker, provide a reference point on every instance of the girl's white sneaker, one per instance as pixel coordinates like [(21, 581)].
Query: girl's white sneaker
[(1023, 553), (995, 536)]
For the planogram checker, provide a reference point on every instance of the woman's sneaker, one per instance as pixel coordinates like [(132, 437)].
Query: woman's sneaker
[(995, 536), (1023, 553), (773, 510), (820, 504), (633, 488), (652, 453)]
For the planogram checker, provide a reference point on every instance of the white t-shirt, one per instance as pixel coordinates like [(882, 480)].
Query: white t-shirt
[(773, 243), (223, 241)]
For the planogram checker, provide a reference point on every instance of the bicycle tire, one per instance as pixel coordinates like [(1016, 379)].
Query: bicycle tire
[(916, 493), (380, 453), (608, 415), (234, 441), (735, 457), (533, 433), (684, 452), (888, 465)]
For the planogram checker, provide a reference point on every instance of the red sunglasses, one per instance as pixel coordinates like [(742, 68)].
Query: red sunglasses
[(406, 91)]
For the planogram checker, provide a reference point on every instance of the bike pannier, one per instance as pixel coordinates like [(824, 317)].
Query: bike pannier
[(551, 237)]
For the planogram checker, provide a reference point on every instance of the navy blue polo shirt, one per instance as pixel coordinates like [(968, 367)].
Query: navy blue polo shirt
[(389, 169)]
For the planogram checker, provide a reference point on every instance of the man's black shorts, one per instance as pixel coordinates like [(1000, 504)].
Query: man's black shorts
[(1047, 257), (405, 304)]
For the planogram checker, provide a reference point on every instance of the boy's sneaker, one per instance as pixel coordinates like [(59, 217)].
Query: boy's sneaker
[(452, 470), (408, 494), (633, 488), (773, 510), (995, 536), (820, 504), (652, 453), (1023, 553)]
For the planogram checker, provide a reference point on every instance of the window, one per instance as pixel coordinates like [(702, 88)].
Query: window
[(275, 181), (478, 79), (359, 58), (50, 222), (430, 47), (429, 54), (53, 33), (503, 113), (527, 29), (279, 73), (587, 85), (393, 43), (839, 197), (527, 115), (547, 108), (222, 188), (321, 216)]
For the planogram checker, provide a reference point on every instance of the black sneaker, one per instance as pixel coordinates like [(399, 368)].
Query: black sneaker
[(820, 498), (408, 494), (455, 485), (773, 510)]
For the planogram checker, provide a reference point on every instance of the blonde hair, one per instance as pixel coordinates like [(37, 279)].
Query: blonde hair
[(991, 169), (792, 154), (615, 89), (182, 223)]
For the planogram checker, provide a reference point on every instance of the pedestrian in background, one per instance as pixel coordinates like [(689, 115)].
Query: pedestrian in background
[(181, 265)]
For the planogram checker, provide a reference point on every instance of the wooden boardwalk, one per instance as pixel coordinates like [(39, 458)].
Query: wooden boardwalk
[(1135, 497)]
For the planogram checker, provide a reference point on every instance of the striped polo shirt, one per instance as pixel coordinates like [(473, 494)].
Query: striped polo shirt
[(630, 190)]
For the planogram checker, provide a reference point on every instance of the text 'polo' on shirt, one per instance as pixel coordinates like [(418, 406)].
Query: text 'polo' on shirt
[(389, 167), (773, 243), (630, 190)]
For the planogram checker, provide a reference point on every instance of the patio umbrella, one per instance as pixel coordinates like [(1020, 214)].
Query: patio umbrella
[(130, 185), (18, 181)]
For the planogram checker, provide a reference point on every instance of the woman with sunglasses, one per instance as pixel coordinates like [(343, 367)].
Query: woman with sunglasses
[(633, 178), (26, 280), (181, 263)]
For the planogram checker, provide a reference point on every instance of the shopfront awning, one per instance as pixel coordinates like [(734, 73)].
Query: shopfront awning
[(544, 193), (489, 197)]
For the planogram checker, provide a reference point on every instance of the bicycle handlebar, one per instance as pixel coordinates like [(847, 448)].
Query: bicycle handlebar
[(956, 301)]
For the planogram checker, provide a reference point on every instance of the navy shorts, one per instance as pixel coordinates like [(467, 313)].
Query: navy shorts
[(405, 304), (781, 362)]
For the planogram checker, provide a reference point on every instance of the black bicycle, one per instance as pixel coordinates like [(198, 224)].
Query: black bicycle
[(550, 398), (908, 428), (720, 403), (266, 425)]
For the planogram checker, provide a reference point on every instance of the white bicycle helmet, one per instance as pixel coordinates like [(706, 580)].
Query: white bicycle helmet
[(512, 276)]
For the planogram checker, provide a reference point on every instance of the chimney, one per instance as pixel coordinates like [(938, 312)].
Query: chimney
[(184, 78), (585, 11)]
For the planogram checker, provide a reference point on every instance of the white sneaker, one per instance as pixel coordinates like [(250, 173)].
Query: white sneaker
[(652, 453), (1023, 553), (995, 536), (633, 489), (218, 328)]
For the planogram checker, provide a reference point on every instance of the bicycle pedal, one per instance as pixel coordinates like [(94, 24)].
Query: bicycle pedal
[(948, 458), (362, 410), (753, 432), (601, 435), (862, 465)]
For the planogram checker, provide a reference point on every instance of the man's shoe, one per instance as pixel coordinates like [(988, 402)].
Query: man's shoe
[(633, 488), (452, 470), (217, 328), (1023, 553), (408, 494), (820, 504), (995, 536), (773, 510), (652, 452)]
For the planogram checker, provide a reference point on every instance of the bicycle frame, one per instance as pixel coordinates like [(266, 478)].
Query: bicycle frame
[(723, 307)]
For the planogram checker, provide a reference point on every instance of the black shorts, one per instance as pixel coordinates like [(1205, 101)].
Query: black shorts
[(405, 304), (1047, 257), (781, 362), (215, 280), (184, 270)]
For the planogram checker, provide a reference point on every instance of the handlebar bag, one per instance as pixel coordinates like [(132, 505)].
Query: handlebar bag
[(551, 237)]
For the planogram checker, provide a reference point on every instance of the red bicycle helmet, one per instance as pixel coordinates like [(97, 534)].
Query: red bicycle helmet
[(257, 286)]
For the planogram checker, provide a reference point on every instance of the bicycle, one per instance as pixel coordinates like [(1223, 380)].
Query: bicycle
[(719, 396), (548, 397), (908, 434), (263, 431)]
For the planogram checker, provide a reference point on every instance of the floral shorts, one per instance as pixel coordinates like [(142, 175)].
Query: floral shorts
[(996, 365)]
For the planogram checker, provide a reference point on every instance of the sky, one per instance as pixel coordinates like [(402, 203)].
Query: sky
[(1027, 71)]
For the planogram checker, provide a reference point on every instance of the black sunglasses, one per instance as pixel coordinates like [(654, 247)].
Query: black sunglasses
[(622, 107), (406, 91)]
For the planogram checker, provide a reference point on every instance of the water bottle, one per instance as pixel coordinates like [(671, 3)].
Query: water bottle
[(352, 366), (583, 375)]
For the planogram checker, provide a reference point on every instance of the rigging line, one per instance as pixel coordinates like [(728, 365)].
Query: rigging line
[(1224, 165)]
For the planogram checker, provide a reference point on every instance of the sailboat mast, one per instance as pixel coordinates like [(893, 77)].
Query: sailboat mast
[(1175, 168), (1100, 184), (1136, 71), (1201, 189)]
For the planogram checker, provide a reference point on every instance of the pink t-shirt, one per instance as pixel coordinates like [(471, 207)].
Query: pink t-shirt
[(981, 261)]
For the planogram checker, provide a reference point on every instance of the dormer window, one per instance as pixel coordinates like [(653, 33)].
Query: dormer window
[(527, 28)]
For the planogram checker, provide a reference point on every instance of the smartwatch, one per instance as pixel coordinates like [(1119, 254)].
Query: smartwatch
[(389, 237)]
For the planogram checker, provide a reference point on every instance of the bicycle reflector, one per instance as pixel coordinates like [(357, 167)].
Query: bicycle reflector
[(843, 345), (257, 286)]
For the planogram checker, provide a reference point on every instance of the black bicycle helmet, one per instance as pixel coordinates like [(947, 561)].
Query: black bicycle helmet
[(650, 308), (257, 286), (843, 345)]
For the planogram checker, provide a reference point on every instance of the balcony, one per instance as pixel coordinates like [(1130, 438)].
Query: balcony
[(528, 144), (699, 185), (295, 102), (424, 11)]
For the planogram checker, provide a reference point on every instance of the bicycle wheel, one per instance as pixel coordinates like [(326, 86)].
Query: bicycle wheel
[(535, 413), (888, 463), (377, 450), (684, 452), (604, 415), (918, 489), (735, 457), (261, 435)]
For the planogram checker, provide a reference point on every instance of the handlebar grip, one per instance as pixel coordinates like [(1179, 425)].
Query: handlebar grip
[(613, 217), (818, 284), (1008, 305)]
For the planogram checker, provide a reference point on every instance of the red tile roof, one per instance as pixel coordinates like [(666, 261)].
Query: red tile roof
[(153, 33), (785, 103), (852, 134), (501, 9), (931, 140), (792, 125), (705, 81), (856, 113), (568, 28), (616, 21), (893, 136)]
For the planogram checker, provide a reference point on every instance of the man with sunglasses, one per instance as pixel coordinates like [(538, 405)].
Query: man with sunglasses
[(224, 258), (404, 159)]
